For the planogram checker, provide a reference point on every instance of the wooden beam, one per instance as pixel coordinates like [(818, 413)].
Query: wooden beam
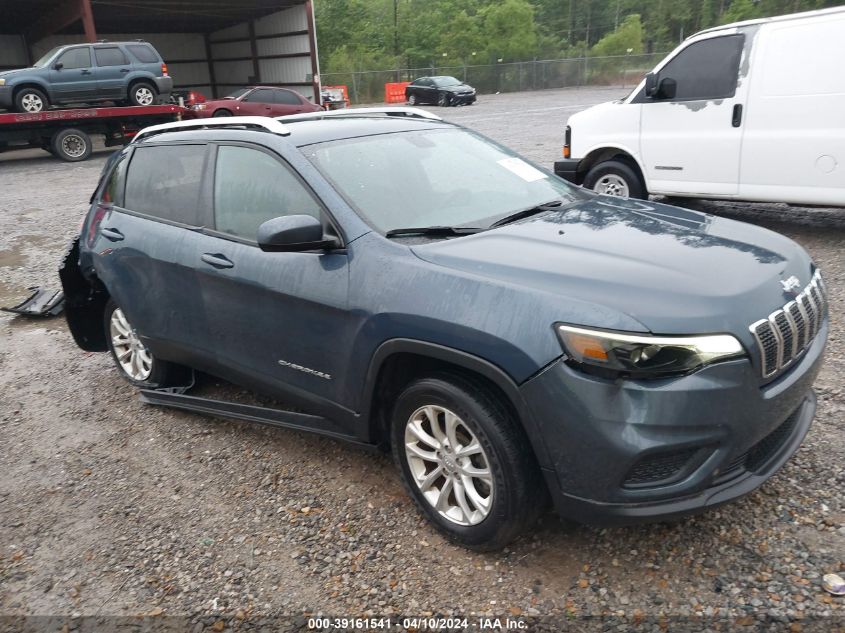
[(65, 13)]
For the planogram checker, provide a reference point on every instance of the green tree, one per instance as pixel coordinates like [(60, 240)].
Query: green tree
[(628, 37), (510, 31)]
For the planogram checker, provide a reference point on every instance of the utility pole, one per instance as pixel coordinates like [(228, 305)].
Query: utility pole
[(396, 35)]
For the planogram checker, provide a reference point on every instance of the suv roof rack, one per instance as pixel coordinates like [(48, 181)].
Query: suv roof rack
[(266, 123), (397, 111)]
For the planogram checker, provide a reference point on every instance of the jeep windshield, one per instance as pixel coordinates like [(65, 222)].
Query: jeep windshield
[(435, 178)]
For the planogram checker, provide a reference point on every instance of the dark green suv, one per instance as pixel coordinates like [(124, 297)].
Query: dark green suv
[(130, 73)]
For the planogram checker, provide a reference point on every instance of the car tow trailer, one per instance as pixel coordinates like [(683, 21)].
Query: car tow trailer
[(66, 133), (176, 398)]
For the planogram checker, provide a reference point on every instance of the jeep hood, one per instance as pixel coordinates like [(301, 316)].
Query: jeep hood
[(673, 270), (9, 73)]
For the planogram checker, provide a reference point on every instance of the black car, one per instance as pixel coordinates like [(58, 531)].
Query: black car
[(511, 337), (444, 91)]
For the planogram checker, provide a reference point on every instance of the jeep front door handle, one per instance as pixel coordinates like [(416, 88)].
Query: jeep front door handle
[(111, 234), (217, 260)]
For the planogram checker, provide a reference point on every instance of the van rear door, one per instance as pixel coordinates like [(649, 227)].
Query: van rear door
[(691, 141)]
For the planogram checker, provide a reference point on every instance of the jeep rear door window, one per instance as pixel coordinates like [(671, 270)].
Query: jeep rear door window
[(251, 187), (75, 58), (110, 56), (143, 53), (164, 182), (706, 69), (434, 178)]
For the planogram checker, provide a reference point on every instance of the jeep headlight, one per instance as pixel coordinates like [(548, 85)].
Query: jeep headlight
[(618, 354), (2, 82)]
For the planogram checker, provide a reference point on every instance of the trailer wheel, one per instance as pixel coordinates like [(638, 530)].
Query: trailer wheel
[(71, 145), (31, 100)]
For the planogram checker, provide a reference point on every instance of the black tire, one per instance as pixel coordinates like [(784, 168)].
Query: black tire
[(518, 494), (444, 100), (71, 145), (161, 373), (222, 112), (596, 178), (412, 99), (143, 93), (31, 100)]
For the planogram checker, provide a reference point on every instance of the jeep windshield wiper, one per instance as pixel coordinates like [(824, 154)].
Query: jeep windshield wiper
[(525, 213), (434, 230)]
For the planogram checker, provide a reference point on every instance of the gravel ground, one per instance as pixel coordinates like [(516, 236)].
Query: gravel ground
[(112, 508)]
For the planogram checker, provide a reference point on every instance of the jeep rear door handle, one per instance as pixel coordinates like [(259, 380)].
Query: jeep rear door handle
[(736, 119), (124, 70), (217, 260), (111, 234)]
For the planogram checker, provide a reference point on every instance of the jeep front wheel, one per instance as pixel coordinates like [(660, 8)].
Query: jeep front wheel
[(615, 178), (465, 462)]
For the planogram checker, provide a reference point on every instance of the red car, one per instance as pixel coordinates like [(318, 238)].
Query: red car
[(256, 101)]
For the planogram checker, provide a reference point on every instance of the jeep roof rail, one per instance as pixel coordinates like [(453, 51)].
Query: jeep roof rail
[(397, 111), (266, 123)]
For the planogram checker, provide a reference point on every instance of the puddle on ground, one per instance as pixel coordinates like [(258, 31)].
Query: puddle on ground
[(12, 257)]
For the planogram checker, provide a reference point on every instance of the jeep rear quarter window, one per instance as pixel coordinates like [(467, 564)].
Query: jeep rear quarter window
[(143, 53), (706, 69), (164, 182), (251, 187)]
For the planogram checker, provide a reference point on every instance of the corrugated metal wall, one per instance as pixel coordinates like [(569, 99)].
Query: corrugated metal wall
[(12, 52), (282, 47)]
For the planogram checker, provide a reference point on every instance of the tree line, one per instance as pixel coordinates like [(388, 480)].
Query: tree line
[(357, 35)]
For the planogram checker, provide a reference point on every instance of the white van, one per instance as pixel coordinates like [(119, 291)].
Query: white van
[(748, 111)]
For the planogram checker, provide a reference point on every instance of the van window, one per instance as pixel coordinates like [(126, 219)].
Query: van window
[(143, 53), (706, 69), (164, 182), (251, 187)]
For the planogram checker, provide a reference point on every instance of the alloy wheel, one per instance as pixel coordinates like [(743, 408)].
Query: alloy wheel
[(612, 185), (144, 96), (448, 465), (132, 356), (32, 102)]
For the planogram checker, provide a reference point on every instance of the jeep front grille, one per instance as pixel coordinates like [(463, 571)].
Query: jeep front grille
[(788, 332)]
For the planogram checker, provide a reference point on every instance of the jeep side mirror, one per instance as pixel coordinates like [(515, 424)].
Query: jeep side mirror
[(58, 65), (667, 88), (293, 233), (650, 84)]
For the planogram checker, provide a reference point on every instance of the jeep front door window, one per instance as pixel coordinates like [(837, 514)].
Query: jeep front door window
[(72, 76)]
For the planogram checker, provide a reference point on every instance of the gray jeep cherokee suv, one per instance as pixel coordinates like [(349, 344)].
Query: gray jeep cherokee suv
[(127, 72), (411, 284)]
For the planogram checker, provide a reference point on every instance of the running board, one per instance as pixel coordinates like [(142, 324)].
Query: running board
[(249, 413)]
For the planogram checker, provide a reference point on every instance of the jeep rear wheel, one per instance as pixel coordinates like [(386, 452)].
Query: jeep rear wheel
[(135, 362), (465, 462), (31, 100), (615, 178)]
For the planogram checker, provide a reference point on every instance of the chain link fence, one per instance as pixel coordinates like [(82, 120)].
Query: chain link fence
[(625, 70)]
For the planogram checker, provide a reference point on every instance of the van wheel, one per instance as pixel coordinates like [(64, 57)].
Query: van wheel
[(31, 100), (615, 178), (134, 361), (71, 145), (142, 94), (465, 462)]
